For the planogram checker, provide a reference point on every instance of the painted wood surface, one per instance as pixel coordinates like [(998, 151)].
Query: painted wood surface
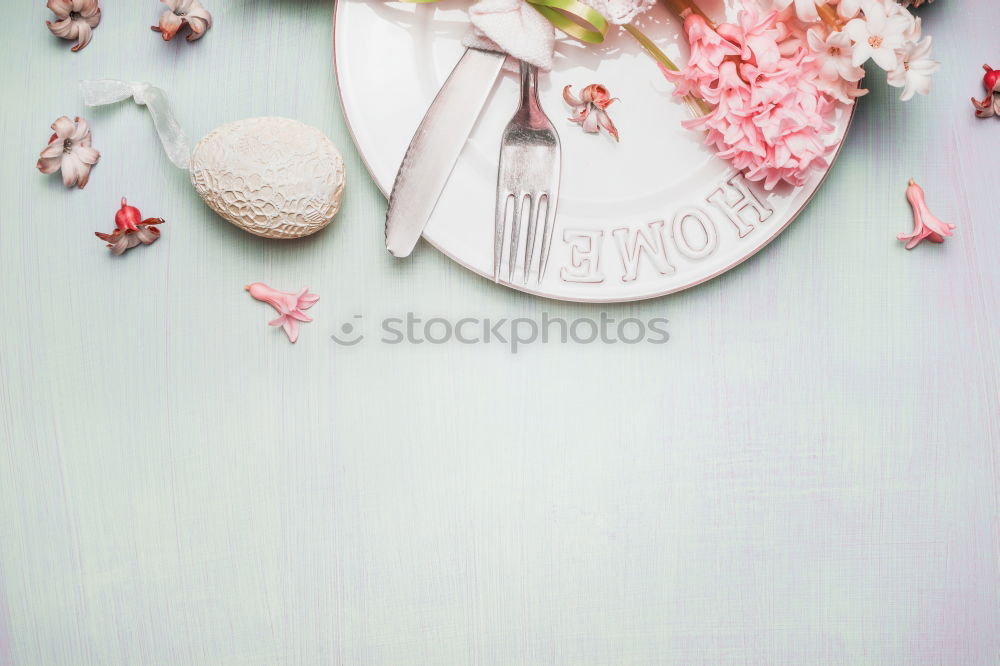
[(805, 474)]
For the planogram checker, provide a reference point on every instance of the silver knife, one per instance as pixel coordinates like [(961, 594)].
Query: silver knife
[(435, 148)]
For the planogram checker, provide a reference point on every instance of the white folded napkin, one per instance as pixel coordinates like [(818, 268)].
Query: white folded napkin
[(516, 28)]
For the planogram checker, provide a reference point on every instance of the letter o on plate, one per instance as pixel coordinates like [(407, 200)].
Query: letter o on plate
[(708, 229)]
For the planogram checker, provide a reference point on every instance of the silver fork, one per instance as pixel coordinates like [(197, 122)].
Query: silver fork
[(530, 164)]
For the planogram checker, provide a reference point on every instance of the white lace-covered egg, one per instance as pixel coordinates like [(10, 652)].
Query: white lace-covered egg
[(273, 177)]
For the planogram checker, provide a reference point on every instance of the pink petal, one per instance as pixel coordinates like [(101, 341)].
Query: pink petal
[(291, 329), (147, 235), (118, 245), (71, 170), (94, 20), (60, 8), (198, 28), (90, 9), (81, 131), (307, 301), (64, 28), (581, 114), (170, 23), (49, 165), (300, 316), (84, 33), (884, 58), (605, 121), (570, 98), (201, 14), (54, 149), (86, 154), (986, 108), (84, 172), (63, 127)]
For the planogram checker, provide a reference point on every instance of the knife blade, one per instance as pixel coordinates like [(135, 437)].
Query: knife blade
[(435, 148)]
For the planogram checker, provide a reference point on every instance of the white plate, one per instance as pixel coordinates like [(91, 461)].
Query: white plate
[(649, 216)]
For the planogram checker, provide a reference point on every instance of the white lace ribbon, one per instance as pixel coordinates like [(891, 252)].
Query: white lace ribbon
[(620, 12), (172, 135)]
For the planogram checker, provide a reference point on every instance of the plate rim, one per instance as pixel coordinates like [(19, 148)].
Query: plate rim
[(338, 6)]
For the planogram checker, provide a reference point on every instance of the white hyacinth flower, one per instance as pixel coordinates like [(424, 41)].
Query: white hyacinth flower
[(877, 36), (913, 73)]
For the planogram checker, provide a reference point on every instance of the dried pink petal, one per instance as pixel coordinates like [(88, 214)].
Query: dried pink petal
[(926, 226), (990, 106), (590, 109), (129, 231), (289, 306), (116, 240), (127, 218)]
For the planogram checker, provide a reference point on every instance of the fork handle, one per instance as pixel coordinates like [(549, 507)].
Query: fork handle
[(529, 86)]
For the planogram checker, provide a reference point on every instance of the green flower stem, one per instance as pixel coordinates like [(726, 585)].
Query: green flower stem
[(698, 106)]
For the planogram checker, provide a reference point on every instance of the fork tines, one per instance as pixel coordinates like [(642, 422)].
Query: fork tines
[(530, 162)]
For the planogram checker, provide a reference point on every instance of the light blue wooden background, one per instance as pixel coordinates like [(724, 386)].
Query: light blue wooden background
[(806, 474)]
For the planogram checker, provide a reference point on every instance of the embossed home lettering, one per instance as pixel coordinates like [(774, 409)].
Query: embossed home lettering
[(636, 242), (584, 256), (737, 201), (693, 235)]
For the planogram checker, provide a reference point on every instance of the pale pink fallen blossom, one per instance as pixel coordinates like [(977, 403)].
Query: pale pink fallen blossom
[(289, 306), (75, 19), (926, 226), (180, 13)]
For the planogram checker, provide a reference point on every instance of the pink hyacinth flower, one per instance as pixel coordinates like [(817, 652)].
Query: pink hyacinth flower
[(756, 36), (770, 116), (289, 306), (926, 226), (708, 50)]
